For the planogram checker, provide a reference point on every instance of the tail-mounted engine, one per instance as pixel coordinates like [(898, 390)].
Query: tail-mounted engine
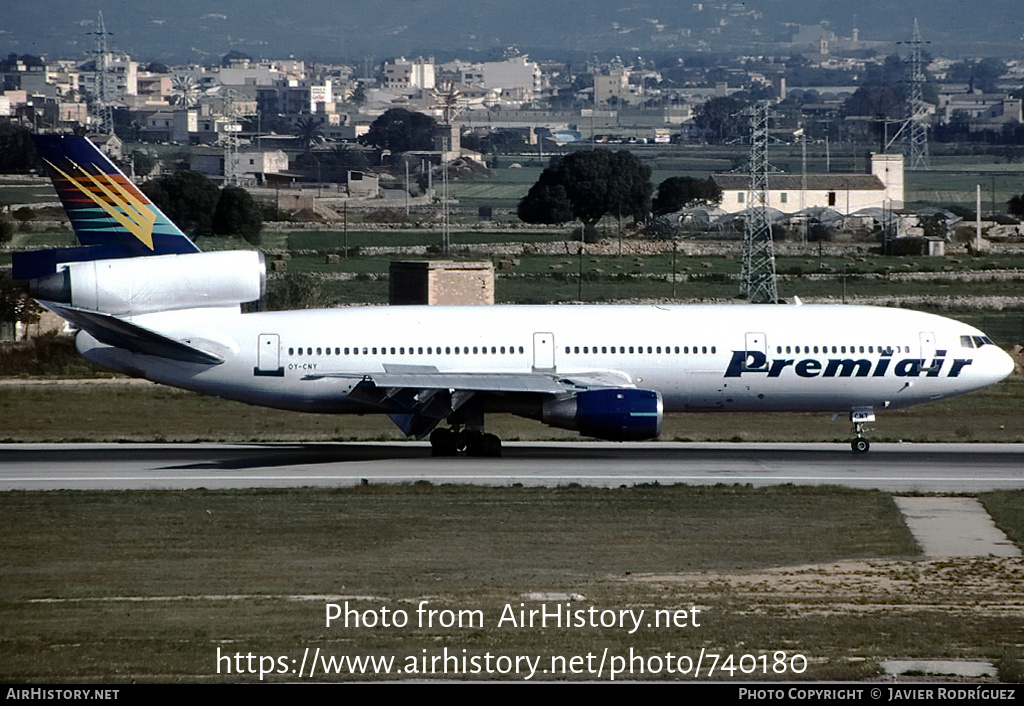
[(142, 285)]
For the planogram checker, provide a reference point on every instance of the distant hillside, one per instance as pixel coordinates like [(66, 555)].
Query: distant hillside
[(201, 30)]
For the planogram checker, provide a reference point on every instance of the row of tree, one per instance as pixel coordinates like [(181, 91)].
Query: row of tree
[(589, 185), (200, 207)]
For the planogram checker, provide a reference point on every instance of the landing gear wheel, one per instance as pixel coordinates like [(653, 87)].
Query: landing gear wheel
[(448, 442), (490, 445), (861, 416), (481, 445), (442, 442)]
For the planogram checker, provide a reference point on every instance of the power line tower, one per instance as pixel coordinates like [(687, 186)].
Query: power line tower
[(757, 279), (915, 138), (231, 129), (103, 104)]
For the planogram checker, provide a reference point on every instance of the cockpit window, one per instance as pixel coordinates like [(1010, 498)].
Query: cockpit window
[(975, 341)]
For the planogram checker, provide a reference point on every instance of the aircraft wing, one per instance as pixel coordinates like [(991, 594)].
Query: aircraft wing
[(428, 377), (420, 396)]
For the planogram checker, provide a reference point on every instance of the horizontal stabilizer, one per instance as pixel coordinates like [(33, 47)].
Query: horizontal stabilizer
[(40, 263), (131, 337)]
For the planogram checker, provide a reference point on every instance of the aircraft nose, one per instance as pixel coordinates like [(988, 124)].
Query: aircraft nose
[(1004, 365)]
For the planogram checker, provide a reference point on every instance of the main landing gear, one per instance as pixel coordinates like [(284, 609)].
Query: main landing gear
[(449, 442), (861, 416)]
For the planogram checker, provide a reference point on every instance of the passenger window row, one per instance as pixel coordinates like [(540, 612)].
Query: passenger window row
[(656, 350), (884, 350), (401, 350)]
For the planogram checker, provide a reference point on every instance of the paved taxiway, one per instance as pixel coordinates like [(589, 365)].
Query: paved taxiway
[(891, 467)]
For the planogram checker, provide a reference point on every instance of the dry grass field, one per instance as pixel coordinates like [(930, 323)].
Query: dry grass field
[(148, 586)]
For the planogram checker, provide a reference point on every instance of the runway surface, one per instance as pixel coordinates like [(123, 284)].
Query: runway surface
[(965, 468)]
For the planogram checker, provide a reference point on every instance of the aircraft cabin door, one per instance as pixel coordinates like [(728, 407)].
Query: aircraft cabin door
[(755, 343), (268, 355), (927, 346), (543, 351)]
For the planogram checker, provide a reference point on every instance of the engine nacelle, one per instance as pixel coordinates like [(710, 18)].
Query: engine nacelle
[(142, 285), (613, 414)]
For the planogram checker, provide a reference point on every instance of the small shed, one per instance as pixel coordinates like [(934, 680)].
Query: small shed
[(441, 283)]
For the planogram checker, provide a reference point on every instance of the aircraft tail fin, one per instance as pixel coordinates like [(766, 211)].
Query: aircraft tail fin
[(111, 216)]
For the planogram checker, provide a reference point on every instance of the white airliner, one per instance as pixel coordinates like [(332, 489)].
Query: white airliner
[(149, 304)]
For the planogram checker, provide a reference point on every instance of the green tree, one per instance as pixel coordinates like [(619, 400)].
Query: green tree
[(188, 198), (877, 99), (505, 142), (587, 185), (545, 203), (344, 156), (238, 214), (401, 130), (308, 130), (677, 193), (1015, 206), (17, 153), (981, 75), (6, 230), (143, 162), (358, 96), (15, 303), (724, 118)]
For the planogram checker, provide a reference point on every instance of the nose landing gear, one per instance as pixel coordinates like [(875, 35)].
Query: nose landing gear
[(861, 416)]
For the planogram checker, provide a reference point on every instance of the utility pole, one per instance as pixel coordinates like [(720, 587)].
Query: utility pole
[(803, 183), (446, 237), (757, 279), (579, 273)]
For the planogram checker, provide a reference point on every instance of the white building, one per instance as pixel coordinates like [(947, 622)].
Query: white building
[(250, 165), (123, 76), (403, 74), (614, 87), (882, 187), (171, 125), (518, 80), (986, 110), (257, 163)]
